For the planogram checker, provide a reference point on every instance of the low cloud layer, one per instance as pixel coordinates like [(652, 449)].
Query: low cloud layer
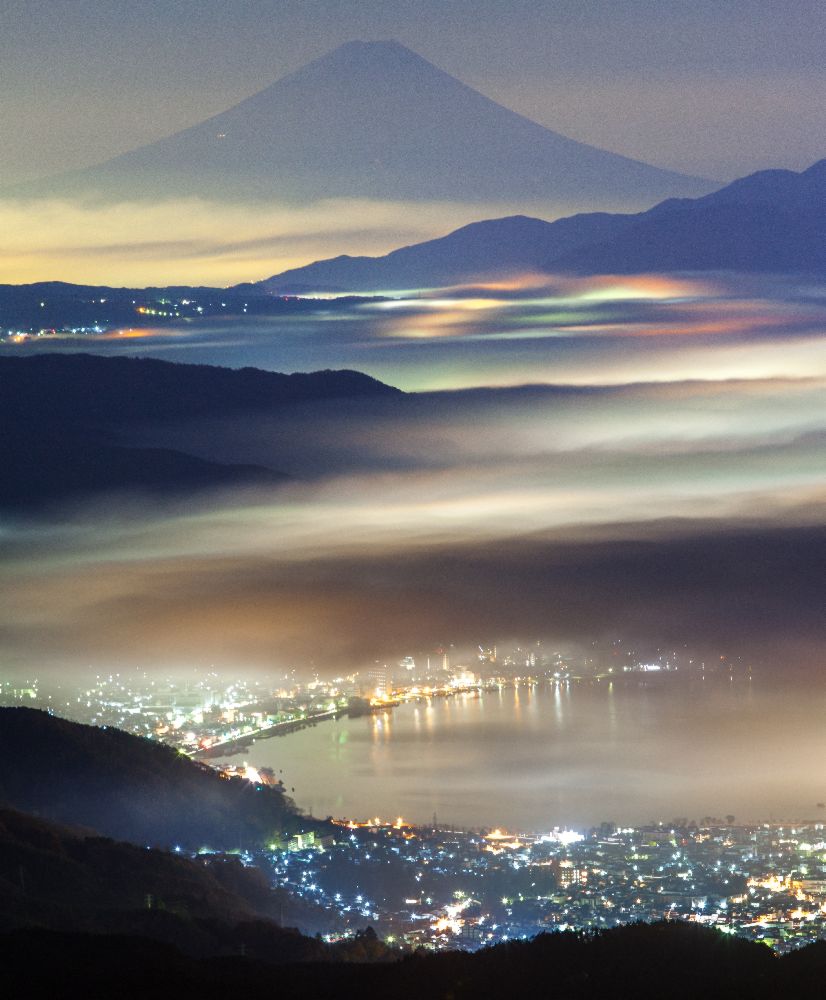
[(751, 589), (599, 330), (682, 513), (665, 482)]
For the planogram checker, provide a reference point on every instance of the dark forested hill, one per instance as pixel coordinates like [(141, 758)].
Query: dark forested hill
[(94, 391), (64, 879), (132, 789), (67, 419), (671, 961)]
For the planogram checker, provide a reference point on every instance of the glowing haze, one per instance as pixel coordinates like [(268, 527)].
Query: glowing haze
[(665, 481), (200, 242)]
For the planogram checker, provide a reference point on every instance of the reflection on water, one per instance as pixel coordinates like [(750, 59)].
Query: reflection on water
[(535, 758)]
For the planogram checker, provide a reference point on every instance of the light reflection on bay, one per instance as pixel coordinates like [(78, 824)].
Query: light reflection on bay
[(539, 757)]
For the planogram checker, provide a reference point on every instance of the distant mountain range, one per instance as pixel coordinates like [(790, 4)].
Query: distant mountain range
[(771, 221), (375, 120), (72, 416)]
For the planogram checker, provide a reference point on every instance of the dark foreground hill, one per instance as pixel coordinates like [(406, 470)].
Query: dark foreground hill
[(771, 221), (42, 468), (640, 962), (62, 879), (133, 789), (68, 417)]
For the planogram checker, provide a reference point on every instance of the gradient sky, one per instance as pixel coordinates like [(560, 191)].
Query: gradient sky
[(708, 87)]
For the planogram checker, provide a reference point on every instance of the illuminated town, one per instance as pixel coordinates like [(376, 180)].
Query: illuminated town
[(440, 886), (448, 888), (51, 312), (204, 713)]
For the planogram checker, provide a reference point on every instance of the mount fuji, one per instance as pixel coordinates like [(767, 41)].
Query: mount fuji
[(375, 120)]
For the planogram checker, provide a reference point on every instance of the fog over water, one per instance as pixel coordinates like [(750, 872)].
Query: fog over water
[(577, 755)]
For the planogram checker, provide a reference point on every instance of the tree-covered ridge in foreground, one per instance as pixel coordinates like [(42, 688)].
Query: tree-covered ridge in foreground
[(666, 961), (59, 879), (132, 789)]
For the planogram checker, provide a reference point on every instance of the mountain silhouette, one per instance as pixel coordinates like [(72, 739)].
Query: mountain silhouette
[(515, 244), (771, 221), (74, 416), (134, 789), (375, 120)]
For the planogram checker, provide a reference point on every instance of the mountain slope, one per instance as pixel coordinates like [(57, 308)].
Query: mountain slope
[(665, 961), (770, 221), (516, 244), (69, 879), (42, 469), (93, 390), (375, 120), (130, 788)]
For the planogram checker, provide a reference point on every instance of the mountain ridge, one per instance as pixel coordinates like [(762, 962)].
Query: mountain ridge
[(769, 220), (668, 960), (59, 877), (74, 417)]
